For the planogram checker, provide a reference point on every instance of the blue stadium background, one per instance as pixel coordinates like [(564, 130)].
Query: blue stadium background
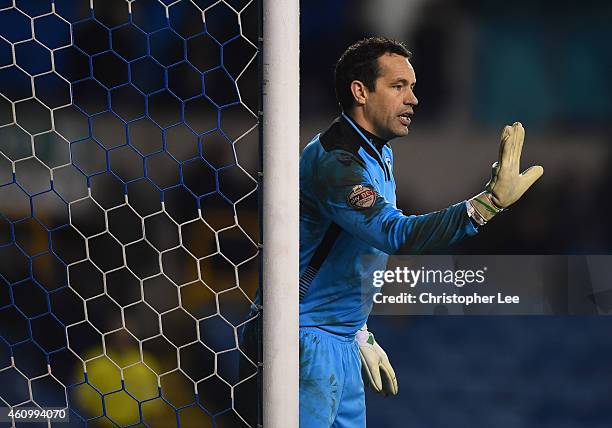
[(480, 64)]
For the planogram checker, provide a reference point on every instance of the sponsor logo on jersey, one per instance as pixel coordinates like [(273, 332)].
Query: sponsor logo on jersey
[(362, 197)]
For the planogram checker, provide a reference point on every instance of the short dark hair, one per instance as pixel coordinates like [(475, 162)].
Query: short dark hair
[(360, 62)]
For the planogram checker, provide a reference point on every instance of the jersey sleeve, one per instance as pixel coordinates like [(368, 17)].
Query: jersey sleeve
[(349, 198)]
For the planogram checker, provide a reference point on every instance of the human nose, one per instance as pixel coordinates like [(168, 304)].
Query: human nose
[(411, 99)]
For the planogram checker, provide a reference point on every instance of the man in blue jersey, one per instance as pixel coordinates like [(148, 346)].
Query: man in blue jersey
[(349, 224)]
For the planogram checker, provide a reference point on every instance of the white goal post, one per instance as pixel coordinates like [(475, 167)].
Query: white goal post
[(281, 208)]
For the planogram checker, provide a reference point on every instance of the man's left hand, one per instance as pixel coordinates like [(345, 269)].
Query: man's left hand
[(376, 369)]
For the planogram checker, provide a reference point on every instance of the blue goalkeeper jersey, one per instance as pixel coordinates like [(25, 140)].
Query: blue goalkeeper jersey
[(349, 224)]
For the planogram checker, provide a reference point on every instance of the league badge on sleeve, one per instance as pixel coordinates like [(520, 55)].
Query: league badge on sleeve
[(362, 197)]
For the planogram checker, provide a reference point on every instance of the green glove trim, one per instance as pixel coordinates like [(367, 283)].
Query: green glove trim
[(487, 206), (371, 339)]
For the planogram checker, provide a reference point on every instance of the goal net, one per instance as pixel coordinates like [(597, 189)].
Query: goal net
[(129, 224)]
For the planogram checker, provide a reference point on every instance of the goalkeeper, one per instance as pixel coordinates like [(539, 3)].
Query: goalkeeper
[(349, 223)]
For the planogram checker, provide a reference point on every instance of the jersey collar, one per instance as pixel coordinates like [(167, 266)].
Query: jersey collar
[(374, 140), (370, 145)]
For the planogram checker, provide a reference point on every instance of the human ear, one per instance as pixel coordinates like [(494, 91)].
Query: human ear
[(360, 92)]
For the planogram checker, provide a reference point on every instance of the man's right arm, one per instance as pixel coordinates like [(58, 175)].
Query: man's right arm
[(349, 198)]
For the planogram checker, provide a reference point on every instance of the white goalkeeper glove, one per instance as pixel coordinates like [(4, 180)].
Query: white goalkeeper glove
[(507, 184), (376, 369)]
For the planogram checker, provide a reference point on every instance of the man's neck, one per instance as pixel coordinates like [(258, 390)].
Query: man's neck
[(375, 139)]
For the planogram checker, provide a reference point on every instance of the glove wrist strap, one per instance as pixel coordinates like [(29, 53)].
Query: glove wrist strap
[(364, 337), (489, 203), (483, 207)]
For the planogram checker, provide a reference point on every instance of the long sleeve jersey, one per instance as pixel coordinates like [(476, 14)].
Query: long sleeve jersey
[(349, 224)]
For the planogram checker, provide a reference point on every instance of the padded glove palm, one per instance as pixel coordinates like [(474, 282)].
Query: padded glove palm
[(507, 184)]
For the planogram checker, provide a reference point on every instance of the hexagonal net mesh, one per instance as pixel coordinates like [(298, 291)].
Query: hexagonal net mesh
[(129, 225)]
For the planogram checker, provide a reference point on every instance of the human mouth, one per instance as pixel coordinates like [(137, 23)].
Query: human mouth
[(405, 119)]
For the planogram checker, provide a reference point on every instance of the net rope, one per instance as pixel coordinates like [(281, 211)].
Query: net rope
[(129, 224)]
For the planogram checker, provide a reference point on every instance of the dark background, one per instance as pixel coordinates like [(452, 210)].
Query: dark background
[(481, 65), (195, 147), (128, 209)]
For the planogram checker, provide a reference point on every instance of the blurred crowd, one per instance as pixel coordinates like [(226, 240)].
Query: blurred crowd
[(481, 64)]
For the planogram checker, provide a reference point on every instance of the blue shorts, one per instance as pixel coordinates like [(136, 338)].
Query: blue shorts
[(331, 388)]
